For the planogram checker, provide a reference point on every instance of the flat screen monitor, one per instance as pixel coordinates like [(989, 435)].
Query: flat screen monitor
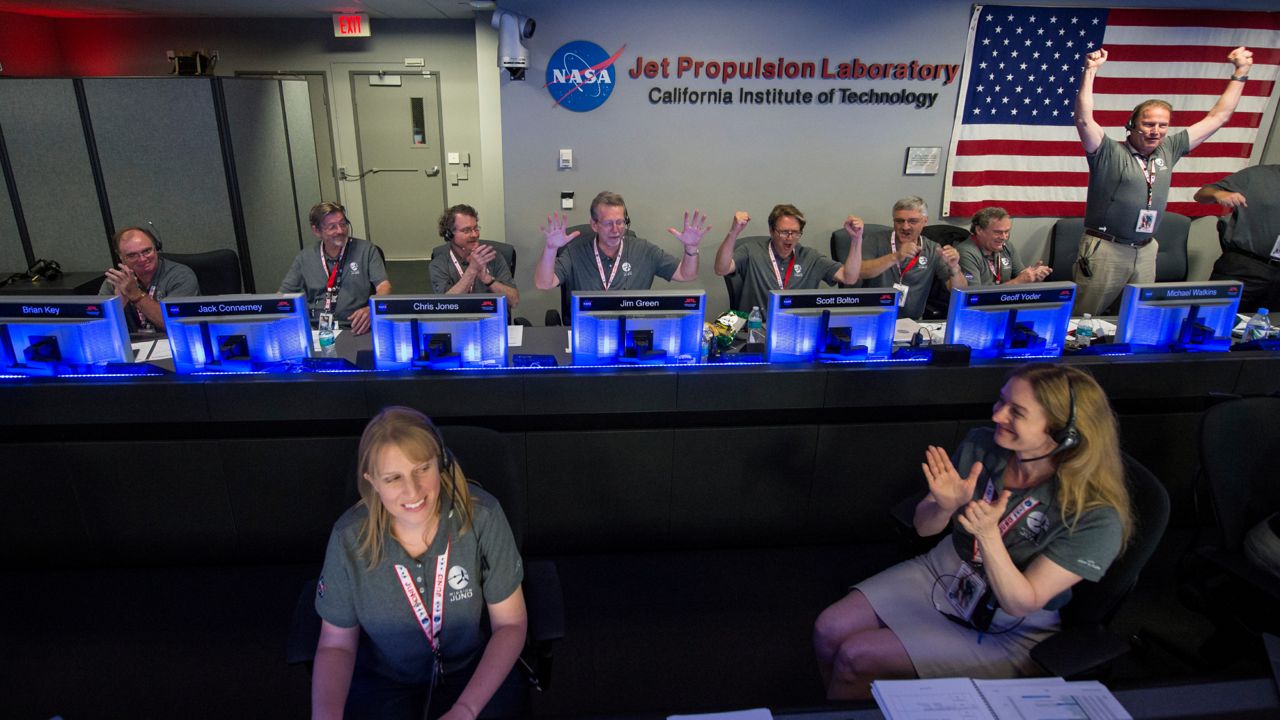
[(62, 334), (238, 333), (650, 327), (831, 325), (1028, 320), (1184, 316), (438, 332)]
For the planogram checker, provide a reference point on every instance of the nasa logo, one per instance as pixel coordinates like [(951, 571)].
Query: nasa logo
[(580, 75)]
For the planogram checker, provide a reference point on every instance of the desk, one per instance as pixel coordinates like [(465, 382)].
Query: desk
[(69, 283)]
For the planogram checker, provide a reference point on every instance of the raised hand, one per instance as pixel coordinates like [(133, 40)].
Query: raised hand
[(695, 227), (553, 231), (853, 225), (951, 256), (740, 220), (124, 282), (478, 263), (1095, 59), (949, 490), (982, 519), (1242, 59)]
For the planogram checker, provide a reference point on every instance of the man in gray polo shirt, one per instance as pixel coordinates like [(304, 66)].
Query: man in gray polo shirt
[(908, 261), (1129, 183), (338, 273), (1251, 238), (986, 258), (143, 278), (467, 265), (615, 261), (782, 263)]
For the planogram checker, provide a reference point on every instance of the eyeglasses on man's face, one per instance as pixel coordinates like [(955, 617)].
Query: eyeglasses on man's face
[(612, 224), (789, 234), (335, 226), (136, 256)]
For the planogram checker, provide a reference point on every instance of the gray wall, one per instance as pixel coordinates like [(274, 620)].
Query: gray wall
[(830, 160)]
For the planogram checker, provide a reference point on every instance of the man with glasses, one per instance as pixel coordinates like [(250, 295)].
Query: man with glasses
[(782, 263), (340, 272), (143, 278), (987, 258), (907, 261), (616, 260), (468, 265)]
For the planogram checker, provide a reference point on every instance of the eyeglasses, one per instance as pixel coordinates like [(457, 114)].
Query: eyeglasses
[(330, 227), (135, 256), (473, 230), (612, 224), (788, 234)]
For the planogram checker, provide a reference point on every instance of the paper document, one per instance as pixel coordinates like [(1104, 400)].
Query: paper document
[(151, 350), (1020, 699), (515, 335), (752, 714), (929, 332)]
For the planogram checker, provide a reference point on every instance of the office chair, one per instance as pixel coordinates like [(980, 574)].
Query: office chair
[(840, 241), (1171, 260), (939, 301), (217, 271), (1064, 247), (944, 234), (486, 457)]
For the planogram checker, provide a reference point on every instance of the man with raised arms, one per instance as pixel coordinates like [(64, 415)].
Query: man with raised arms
[(907, 261), (781, 262), (615, 261), (1129, 183)]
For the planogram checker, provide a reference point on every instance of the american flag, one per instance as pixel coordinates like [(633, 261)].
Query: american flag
[(1015, 142)]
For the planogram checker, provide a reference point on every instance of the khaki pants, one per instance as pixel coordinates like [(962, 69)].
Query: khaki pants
[(1114, 265)]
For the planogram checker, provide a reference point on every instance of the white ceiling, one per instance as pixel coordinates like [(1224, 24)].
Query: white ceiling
[(408, 9)]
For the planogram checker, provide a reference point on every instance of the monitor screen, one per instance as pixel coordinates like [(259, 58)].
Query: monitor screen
[(62, 334), (1028, 320), (438, 332), (238, 333), (1184, 316), (831, 325), (650, 327)]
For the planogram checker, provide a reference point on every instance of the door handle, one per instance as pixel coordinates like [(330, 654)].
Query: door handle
[(434, 171)]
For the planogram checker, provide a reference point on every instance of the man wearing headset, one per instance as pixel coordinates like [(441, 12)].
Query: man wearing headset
[(142, 278), (1129, 183), (468, 265)]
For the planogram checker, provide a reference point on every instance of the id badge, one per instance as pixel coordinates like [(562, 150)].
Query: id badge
[(966, 590), (325, 321), (1275, 250), (902, 293), (1146, 221)]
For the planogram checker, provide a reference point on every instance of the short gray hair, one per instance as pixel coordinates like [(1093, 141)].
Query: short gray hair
[(912, 202)]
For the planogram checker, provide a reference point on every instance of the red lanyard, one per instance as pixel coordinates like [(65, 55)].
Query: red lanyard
[(430, 624), (335, 274), (600, 265), (777, 274), (902, 271), (995, 266), (1150, 177)]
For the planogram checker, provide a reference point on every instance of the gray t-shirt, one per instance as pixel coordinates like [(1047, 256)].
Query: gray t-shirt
[(1256, 228), (444, 275), (171, 280), (1086, 550), (918, 279), (1118, 187), (751, 259), (362, 271), (641, 261), (979, 269), (484, 568)]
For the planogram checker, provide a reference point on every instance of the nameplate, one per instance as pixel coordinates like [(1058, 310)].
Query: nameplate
[(52, 310), (1028, 296), (829, 300), (621, 302), (1183, 292), (214, 307), (439, 305)]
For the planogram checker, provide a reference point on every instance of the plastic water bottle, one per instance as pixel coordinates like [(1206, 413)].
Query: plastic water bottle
[(1259, 326), (1085, 331), (326, 336), (755, 325)]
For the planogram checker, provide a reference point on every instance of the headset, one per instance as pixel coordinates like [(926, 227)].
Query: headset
[(1069, 436), (446, 462)]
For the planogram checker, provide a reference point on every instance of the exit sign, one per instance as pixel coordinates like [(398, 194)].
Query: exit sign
[(351, 25)]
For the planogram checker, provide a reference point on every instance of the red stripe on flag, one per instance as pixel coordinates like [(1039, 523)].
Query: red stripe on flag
[(1048, 148), (1021, 178), (1044, 208), (1164, 87), (1194, 18), (1181, 118), (1188, 54)]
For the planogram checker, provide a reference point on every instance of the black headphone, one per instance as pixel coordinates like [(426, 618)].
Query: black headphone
[(446, 461), (1069, 436)]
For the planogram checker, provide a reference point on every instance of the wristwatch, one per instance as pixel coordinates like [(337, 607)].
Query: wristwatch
[(1240, 78)]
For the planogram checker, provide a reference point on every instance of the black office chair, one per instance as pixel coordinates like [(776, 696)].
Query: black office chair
[(486, 458), (1064, 246), (217, 271), (1085, 645), (936, 306), (840, 242), (1171, 260), (944, 234)]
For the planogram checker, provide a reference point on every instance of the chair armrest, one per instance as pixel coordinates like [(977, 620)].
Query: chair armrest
[(1077, 650)]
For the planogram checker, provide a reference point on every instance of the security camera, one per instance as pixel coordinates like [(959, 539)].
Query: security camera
[(513, 29)]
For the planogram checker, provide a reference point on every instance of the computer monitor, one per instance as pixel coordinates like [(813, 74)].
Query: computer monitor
[(438, 332), (238, 333), (62, 334), (650, 327), (1025, 320), (1178, 317), (831, 325)]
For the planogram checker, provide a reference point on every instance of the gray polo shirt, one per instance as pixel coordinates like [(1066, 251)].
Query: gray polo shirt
[(919, 279), (1256, 228), (641, 261), (980, 269), (751, 263), (444, 275), (1118, 188), (363, 270), (171, 280), (484, 568)]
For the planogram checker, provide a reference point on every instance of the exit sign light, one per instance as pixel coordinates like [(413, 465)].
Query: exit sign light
[(351, 25)]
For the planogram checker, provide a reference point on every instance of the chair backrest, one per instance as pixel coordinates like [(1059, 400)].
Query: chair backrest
[(1064, 245), (217, 271), (1095, 602), (1238, 441), (1171, 260), (486, 458), (944, 234), (840, 239)]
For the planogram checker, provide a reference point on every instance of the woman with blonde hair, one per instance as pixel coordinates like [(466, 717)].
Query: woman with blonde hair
[(409, 571), (1035, 505)]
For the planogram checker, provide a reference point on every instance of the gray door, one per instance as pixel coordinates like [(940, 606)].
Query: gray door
[(399, 143)]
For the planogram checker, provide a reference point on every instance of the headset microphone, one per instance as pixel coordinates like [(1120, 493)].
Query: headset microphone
[(1069, 436)]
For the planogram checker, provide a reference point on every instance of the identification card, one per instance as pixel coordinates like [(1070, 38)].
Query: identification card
[(966, 590), (1275, 250), (902, 293), (1146, 221), (325, 321)]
